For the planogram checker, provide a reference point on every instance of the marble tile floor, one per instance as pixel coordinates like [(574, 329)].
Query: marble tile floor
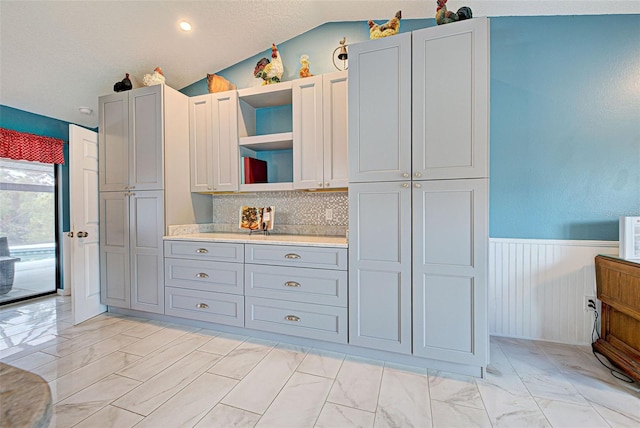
[(117, 371)]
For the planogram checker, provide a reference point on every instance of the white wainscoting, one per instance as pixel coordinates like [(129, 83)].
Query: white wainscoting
[(537, 288)]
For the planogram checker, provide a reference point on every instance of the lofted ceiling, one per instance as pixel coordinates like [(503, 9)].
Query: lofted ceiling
[(58, 56)]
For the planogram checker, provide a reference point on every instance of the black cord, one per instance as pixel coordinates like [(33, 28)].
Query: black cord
[(613, 371)]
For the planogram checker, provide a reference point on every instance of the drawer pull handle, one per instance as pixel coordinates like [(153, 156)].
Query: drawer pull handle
[(202, 306), (292, 256), (291, 284), (202, 275), (292, 318), (202, 250)]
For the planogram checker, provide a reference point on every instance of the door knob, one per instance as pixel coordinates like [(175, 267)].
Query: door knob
[(70, 234), (83, 234)]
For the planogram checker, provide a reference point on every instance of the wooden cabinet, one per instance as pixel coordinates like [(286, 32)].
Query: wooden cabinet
[(131, 257), (142, 135), (418, 193), (380, 265), (618, 283), (320, 136), (213, 142)]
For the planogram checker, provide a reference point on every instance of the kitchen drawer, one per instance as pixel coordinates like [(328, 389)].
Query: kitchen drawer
[(220, 308), (217, 251), (204, 275), (291, 255), (318, 286), (321, 322)]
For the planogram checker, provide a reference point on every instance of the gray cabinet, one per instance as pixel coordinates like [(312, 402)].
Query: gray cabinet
[(418, 247), (213, 142), (380, 265), (320, 140), (380, 110), (205, 281), (131, 136), (136, 129), (451, 101), (131, 257), (450, 222), (297, 290)]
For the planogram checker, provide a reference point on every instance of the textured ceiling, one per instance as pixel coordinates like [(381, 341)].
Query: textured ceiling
[(56, 56)]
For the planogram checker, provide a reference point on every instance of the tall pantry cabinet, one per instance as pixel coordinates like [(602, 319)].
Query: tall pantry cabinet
[(142, 138), (418, 192)]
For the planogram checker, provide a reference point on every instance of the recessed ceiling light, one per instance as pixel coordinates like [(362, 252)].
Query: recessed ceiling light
[(185, 26), (85, 110)]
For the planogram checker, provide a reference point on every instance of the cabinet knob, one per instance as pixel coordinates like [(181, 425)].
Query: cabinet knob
[(418, 174), (208, 187), (126, 187), (319, 184), (202, 251), (418, 185), (70, 234), (405, 185), (326, 184), (405, 174), (292, 318), (202, 306), (83, 234), (132, 187), (291, 284), (292, 256), (202, 275)]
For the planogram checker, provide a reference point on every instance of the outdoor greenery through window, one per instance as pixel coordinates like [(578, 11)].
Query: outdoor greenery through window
[(27, 220)]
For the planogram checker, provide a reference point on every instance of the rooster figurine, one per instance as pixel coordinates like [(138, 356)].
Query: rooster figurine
[(389, 28), (270, 71), (153, 79), (443, 16), (123, 85)]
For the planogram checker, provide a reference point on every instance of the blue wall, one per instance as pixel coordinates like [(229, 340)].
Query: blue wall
[(565, 117), (22, 121), (565, 126)]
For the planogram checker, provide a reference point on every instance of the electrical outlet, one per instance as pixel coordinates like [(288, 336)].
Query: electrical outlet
[(328, 214), (590, 303)]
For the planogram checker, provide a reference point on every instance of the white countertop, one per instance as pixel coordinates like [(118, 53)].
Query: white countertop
[(258, 238)]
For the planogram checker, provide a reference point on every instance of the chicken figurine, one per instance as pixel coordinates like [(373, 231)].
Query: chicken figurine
[(153, 79), (123, 85), (270, 71), (389, 28), (444, 16)]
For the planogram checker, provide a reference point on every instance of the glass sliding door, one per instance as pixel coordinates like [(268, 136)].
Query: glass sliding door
[(27, 230)]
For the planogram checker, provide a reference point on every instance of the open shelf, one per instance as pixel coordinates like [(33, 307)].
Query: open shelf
[(276, 94), (280, 141)]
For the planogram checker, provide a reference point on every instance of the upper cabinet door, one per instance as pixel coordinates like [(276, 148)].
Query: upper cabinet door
[(336, 136), (307, 133), (146, 138), (451, 101), (380, 109), (224, 136), (113, 142), (200, 143)]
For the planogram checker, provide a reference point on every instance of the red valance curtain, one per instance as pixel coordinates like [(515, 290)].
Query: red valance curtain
[(24, 146)]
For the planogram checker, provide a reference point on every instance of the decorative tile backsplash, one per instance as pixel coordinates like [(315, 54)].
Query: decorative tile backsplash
[(296, 213)]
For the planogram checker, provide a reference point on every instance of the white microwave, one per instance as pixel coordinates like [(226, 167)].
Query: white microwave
[(630, 238)]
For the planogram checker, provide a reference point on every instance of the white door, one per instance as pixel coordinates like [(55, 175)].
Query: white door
[(84, 210)]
